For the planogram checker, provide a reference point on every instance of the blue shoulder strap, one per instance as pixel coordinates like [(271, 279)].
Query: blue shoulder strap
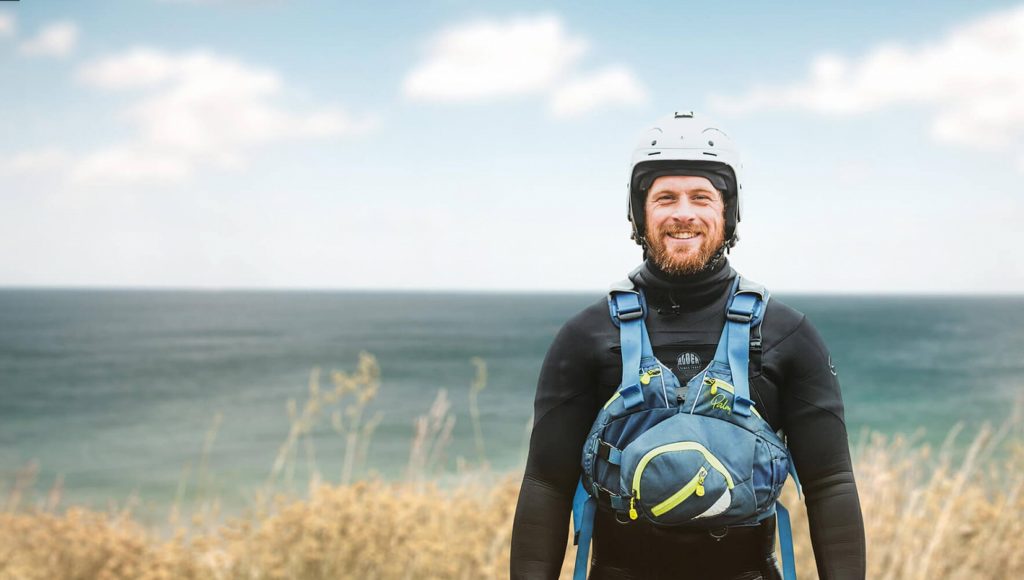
[(583, 509), (785, 542), (745, 309), (627, 310)]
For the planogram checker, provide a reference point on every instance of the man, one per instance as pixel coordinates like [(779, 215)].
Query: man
[(684, 206)]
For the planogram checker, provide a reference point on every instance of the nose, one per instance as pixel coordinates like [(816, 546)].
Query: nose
[(684, 211)]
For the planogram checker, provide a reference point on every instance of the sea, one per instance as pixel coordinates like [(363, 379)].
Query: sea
[(158, 398)]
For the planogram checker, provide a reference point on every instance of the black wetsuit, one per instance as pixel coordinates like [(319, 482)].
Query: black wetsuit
[(794, 387)]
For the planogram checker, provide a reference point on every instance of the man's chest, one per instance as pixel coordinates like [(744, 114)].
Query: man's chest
[(686, 352)]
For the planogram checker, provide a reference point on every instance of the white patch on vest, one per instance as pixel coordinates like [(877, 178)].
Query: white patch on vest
[(687, 360), (718, 507)]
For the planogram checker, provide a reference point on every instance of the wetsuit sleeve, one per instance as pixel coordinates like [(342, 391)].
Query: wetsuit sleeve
[(564, 410), (816, 435)]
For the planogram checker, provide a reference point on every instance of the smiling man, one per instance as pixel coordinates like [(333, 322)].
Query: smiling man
[(685, 223), (684, 205)]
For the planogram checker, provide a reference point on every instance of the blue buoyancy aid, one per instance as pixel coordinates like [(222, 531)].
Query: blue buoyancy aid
[(699, 457)]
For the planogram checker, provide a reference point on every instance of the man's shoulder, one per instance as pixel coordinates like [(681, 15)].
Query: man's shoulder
[(779, 318), (590, 318), (780, 321), (585, 330)]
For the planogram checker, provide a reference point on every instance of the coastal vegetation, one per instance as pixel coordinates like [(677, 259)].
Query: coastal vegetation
[(929, 513)]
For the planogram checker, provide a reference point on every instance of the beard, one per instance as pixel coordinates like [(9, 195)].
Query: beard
[(683, 262)]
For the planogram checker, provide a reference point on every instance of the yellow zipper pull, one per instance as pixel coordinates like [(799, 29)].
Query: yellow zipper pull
[(645, 377), (700, 481), (714, 386), (632, 509)]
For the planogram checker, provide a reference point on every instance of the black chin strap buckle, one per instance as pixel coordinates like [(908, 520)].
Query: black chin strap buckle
[(674, 309)]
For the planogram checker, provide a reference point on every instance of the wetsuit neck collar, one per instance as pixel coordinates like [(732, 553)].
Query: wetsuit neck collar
[(671, 293)]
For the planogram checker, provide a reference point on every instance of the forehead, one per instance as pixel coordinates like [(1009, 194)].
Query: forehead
[(681, 184)]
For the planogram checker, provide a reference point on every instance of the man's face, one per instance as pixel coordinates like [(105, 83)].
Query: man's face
[(685, 222)]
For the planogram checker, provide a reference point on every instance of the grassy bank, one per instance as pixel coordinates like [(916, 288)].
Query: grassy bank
[(927, 514)]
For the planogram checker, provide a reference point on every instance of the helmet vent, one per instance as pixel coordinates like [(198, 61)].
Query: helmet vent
[(710, 153), (654, 153), (653, 143)]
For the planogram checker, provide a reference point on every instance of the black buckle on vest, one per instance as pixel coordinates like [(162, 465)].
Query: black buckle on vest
[(739, 316), (603, 495), (631, 314), (604, 449)]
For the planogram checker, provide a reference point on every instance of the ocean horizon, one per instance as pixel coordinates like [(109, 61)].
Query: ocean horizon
[(114, 391)]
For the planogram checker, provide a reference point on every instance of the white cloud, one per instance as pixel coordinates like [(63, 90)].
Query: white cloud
[(57, 39), (614, 85), (131, 164), (194, 109), (489, 59), (137, 68), (29, 162), (6, 24), (971, 79)]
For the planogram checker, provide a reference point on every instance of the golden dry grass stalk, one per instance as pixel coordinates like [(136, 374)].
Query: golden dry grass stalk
[(925, 517), (969, 519)]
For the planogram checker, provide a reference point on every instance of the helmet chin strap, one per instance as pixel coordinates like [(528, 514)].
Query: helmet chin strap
[(716, 259)]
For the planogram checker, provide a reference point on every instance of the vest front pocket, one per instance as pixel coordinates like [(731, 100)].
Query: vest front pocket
[(678, 482)]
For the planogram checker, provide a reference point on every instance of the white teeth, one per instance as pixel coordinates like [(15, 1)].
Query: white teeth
[(682, 235)]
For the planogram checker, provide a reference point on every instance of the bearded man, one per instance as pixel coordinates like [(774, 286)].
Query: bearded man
[(684, 205)]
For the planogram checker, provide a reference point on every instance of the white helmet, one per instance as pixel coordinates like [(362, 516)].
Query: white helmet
[(685, 144)]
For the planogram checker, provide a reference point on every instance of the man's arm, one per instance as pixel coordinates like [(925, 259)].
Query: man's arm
[(564, 410), (816, 434)]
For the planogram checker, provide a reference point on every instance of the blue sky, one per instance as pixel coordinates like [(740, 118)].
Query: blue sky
[(458, 145)]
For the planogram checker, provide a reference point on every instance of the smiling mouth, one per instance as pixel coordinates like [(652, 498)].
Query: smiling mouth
[(684, 236)]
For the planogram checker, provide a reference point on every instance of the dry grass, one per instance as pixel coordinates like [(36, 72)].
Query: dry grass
[(931, 517), (926, 517)]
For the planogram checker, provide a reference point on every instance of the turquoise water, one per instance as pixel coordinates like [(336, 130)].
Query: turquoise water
[(115, 390)]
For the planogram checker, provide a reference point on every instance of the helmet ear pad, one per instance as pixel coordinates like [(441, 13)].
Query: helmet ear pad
[(720, 175)]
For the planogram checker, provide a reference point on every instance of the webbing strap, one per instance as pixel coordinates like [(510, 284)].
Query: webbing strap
[(583, 509), (634, 342), (740, 314), (785, 542), (734, 346), (721, 352), (792, 473), (609, 452), (578, 500)]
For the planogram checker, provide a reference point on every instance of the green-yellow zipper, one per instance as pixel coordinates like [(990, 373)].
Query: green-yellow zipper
[(678, 446), (694, 486), (715, 383), (615, 396), (645, 377)]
